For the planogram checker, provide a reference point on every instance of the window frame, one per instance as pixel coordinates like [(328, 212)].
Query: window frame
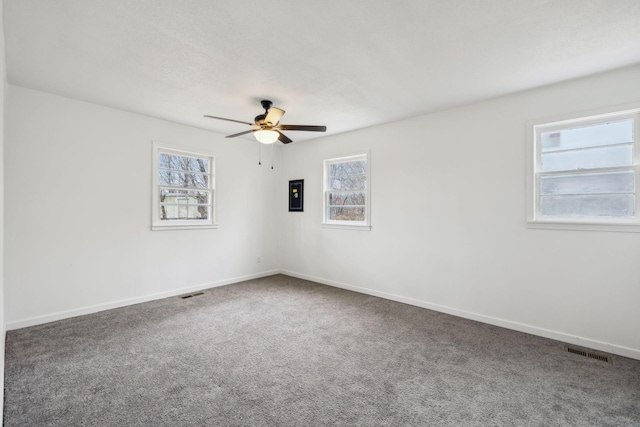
[(534, 172), (347, 225), (159, 224)]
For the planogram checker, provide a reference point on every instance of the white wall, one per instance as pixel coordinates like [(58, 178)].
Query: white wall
[(3, 83), (448, 216), (78, 203)]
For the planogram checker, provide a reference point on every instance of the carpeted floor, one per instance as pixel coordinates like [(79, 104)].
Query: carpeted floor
[(280, 351)]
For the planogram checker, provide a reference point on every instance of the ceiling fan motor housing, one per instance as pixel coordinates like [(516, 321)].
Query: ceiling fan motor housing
[(260, 119), (266, 104)]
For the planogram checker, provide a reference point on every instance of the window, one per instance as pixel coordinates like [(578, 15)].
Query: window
[(346, 192), (585, 172), (183, 190)]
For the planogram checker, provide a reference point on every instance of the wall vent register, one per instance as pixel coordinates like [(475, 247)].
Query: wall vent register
[(589, 354)]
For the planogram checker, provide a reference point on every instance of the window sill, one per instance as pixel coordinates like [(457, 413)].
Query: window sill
[(586, 226), (182, 227), (361, 227)]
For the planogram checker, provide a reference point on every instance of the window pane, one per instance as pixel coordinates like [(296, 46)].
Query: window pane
[(346, 189), (348, 183), (591, 183), (184, 212), (588, 136), (183, 163), (184, 197), (614, 205), (345, 199), (183, 188), (602, 157), (178, 179), (348, 168), (346, 214)]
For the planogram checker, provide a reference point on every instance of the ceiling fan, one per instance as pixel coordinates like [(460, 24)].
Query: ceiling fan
[(266, 127)]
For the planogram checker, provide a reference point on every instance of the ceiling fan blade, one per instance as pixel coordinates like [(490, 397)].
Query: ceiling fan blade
[(241, 133), (274, 115), (229, 120), (284, 138), (303, 127)]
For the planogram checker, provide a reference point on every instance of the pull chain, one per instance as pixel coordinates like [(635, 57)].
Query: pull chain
[(259, 153), (272, 155)]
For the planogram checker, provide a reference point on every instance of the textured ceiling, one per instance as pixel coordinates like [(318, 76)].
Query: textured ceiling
[(343, 64)]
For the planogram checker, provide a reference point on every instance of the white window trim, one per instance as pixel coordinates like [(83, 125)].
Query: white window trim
[(532, 167), (347, 225), (156, 222)]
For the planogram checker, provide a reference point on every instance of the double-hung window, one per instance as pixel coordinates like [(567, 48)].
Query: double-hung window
[(346, 192), (183, 190), (585, 172)]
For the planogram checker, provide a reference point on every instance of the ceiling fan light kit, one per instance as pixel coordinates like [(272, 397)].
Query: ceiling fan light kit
[(267, 127), (266, 136)]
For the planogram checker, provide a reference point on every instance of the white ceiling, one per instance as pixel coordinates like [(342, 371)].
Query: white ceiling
[(343, 64)]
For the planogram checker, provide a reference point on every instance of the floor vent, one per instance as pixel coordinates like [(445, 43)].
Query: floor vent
[(192, 295), (590, 355)]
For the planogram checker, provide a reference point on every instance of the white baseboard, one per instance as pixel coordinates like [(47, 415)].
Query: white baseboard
[(521, 327), (38, 320)]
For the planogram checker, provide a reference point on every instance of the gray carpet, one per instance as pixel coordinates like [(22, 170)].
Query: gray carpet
[(280, 351)]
